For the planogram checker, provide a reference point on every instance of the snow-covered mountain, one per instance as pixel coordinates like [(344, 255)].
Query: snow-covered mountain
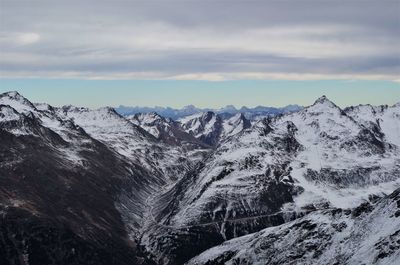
[(368, 234), (207, 127), (280, 169), (97, 187), (162, 158), (211, 128), (165, 129), (61, 190), (382, 119), (229, 110), (85, 173)]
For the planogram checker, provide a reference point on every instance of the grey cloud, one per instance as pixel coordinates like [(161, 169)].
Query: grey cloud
[(173, 38)]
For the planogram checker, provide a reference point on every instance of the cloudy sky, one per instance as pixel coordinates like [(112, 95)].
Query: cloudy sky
[(211, 41)]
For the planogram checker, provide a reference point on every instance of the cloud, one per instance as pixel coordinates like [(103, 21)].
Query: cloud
[(28, 38), (201, 40)]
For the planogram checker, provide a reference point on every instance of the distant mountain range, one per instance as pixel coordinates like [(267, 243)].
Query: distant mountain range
[(228, 111)]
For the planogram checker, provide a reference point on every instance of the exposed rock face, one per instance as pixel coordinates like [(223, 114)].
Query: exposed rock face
[(81, 186)]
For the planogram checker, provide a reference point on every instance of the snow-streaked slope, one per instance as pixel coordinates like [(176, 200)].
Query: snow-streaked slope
[(341, 161), (327, 154), (43, 113), (148, 122), (109, 127), (16, 101), (235, 125), (166, 130), (129, 140), (241, 172), (239, 189), (384, 118), (211, 128), (8, 113), (21, 117), (207, 127), (369, 234)]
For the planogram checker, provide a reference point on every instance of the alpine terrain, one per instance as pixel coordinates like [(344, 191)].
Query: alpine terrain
[(312, 185)]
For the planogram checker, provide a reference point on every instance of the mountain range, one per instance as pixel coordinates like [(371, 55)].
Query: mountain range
[(312, 185), (229, 110)]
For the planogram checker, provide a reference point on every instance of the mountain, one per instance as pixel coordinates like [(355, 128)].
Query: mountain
[(261, 111), (211, 128), (163, 111), (59, 190), (207, 127), (280, 169), (165, 129), (227, 111), (163, 159), (235, 125), (379, 118), (78, 179), (368, 234), (92, 186)]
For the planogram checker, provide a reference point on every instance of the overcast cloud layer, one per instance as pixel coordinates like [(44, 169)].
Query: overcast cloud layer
[(210, 40)]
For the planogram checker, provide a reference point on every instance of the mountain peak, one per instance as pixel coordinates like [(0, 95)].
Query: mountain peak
[(154, 114), (324, 101), (72, 108), (107, 110), (322, 105), (150, 117), (11, 94), (228, 109), (189, 107), (16, 101)]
